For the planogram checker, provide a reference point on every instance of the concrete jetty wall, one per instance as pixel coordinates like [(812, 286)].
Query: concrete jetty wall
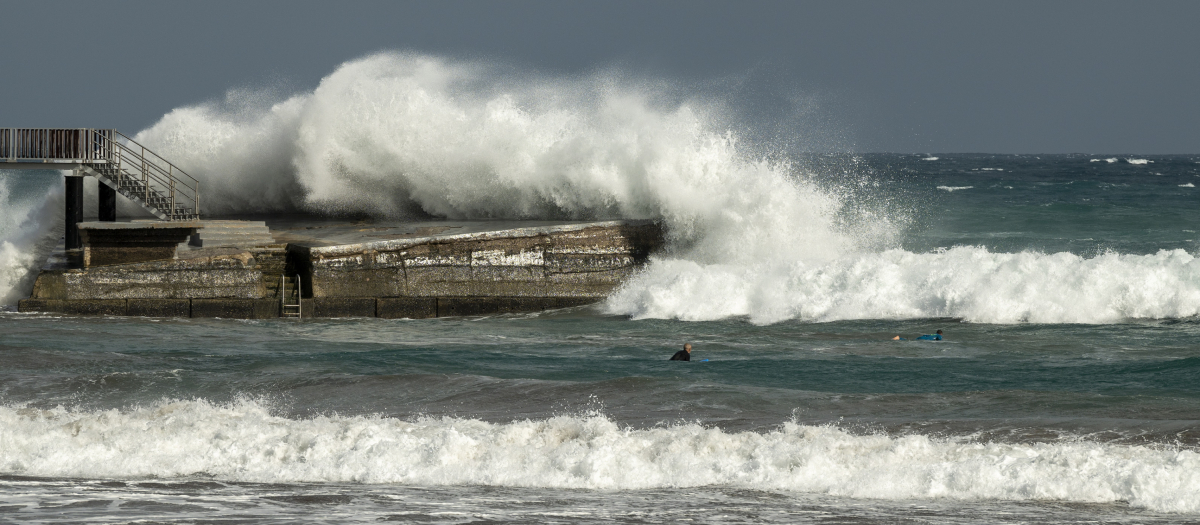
[(522, 269), (516, 269)]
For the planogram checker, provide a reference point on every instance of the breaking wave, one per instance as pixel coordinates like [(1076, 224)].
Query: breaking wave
[(28, 230), (405, 135), (244, 442), (964, 282)]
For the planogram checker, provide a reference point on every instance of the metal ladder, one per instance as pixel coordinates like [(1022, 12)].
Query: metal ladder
[(286, 307)]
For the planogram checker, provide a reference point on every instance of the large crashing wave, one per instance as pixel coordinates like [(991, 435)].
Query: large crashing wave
[(412, 135), (244, 442), (29, 227)]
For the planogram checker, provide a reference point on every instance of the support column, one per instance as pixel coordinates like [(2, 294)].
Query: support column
[(74, 209), (107, 203)]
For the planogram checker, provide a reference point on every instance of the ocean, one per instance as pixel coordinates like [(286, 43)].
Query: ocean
[(1066, 390)]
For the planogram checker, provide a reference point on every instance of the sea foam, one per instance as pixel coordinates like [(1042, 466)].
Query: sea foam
[(245, 442), (408, 135), (967, 282)]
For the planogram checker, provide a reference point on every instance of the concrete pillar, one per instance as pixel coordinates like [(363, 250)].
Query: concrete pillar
[(74, 209), (107, 203)]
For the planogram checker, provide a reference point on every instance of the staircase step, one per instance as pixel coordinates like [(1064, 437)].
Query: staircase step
[(242, 234)]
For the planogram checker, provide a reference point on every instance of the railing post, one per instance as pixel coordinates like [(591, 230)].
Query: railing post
[(145, 175)]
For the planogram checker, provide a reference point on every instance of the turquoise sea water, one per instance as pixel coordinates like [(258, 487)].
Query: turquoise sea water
[(1067, 389)]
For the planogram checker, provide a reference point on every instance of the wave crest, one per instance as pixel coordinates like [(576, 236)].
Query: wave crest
[(964, 282), (411, 135), (243, 442)]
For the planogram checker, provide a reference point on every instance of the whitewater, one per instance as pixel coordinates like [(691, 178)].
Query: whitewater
[(1067, 286), (752, 234), (243, 442)]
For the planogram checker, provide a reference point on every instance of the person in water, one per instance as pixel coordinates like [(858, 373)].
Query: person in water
[(683, 355), (927, 337)]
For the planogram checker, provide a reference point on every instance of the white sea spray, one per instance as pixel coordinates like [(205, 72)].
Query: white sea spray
[(243, 441), (409, 135), (28, 228)]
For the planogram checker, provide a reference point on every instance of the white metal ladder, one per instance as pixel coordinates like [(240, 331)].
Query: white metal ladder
[(286, 307)]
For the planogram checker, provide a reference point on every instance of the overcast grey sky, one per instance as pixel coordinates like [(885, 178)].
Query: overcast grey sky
[(1005, 77)]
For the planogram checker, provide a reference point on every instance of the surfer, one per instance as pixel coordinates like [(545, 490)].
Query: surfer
[(683, 355), (927, 337)]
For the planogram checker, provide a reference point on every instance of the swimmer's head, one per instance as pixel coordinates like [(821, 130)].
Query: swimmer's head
[(688, 347)]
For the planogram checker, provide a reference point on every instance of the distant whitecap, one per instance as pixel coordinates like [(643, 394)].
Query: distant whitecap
[(930, 158), (1138, 161), (1188, 185), (1108, 160), (954, 188)]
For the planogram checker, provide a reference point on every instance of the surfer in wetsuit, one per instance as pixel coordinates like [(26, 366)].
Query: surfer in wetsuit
[(927, 337), (683, 355)]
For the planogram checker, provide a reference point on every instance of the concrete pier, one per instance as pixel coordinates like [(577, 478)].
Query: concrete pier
[(359, 269)]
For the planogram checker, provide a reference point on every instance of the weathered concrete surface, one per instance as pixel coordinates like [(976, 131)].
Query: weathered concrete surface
[(159, 307), (236, 308), (202, 275), (79, 307), (131, 242), (406, 307), (107, 242), (421, 272), (577, 261), (339, 306)]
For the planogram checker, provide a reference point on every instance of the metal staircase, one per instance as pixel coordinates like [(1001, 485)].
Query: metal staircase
[(114, 159)]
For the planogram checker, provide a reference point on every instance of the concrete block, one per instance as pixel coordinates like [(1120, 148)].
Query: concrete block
[(38, 305), (435, 255), (50, 284), (135, 282), (477, 288), (586, 262), (459, 306), (236, 308), (578, 290), (504, 257), (75, 307), (106, 255), (385, 282), (611, 277), (160, 307), (340, 307), (439, 274), (123, 243), (571, 302), (406, 307)]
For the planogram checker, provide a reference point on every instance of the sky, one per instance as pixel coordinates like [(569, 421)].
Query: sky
[(914, 77)]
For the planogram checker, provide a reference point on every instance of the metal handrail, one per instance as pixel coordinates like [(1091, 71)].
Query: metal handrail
[(107, 149), (299, 299)]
